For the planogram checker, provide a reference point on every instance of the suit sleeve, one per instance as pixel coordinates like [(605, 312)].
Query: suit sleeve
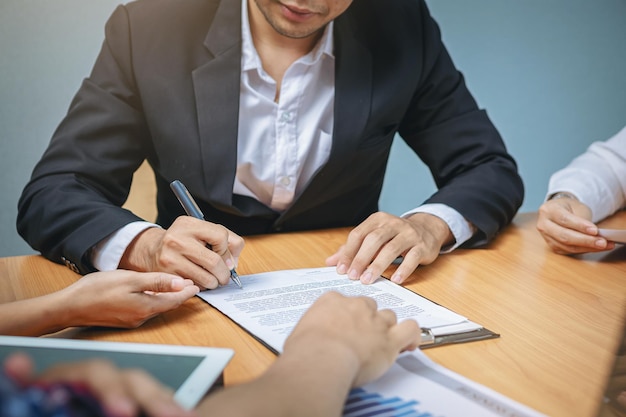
[(473, 171), (73, 199)]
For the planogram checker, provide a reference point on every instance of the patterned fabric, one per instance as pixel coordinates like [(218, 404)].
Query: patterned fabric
[(46, 400)]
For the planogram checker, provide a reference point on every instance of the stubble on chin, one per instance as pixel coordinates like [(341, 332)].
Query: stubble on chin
[(284, 29)]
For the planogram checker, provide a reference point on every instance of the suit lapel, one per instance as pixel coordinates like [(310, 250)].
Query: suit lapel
[(216, 87), (353, 88)]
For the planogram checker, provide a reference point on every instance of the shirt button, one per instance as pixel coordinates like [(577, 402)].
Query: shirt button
[(285, 181), (286, 116)]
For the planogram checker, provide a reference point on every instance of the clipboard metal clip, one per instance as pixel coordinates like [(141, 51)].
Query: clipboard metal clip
[(428, 338)]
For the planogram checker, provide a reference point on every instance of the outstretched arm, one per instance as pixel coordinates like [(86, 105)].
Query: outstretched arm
[(338, 344), (117, 299)]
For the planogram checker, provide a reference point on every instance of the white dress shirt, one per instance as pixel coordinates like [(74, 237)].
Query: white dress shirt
[(278, 155), (597, 177)]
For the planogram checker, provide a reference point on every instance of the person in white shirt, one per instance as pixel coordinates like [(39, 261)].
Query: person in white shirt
[(590, 188)]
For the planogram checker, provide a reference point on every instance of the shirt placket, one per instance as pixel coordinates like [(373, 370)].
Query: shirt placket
[(286, 144)]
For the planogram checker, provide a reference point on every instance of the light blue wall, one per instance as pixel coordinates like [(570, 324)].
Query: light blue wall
[(46, 49), (549, 72)]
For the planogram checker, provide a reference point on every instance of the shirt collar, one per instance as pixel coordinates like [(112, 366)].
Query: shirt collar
[(251, 59)]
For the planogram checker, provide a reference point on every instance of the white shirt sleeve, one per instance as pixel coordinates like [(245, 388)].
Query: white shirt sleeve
[(106, 255), (461, 229), (597, 177)]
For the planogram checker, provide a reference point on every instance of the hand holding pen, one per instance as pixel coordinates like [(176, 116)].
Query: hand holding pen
[(192, 210)]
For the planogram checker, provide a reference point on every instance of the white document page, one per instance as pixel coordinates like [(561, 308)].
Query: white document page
[(416, 386), (271, 303)]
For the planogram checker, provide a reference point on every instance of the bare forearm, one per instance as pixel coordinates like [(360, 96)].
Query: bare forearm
[(33, 317), (303, 385)]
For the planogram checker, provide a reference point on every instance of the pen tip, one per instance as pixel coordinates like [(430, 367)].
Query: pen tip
[(235, 277)]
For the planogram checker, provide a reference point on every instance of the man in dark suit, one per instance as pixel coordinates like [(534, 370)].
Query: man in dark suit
[(278, 116)]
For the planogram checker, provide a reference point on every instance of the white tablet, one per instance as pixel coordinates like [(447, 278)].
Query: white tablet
[(189, 371)]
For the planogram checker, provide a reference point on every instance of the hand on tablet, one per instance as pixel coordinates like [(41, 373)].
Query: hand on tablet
[(565, 224), (120, 392)]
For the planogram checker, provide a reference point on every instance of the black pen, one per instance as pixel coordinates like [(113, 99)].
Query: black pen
[(192, 209)]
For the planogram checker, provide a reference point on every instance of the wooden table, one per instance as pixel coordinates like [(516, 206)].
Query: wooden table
[(560, 317)]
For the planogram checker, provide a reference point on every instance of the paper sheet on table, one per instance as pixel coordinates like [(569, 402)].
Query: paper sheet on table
[(416, 386), (614, 235), (271, 303)]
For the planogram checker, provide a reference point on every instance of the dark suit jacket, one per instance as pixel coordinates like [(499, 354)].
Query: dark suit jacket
[(165, 88)]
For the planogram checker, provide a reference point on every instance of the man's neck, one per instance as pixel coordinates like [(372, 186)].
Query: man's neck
[(277, 52)]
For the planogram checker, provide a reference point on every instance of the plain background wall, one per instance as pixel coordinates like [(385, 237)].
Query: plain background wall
[(549, 72)]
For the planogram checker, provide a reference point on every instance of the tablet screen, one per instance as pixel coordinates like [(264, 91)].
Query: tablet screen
[(170, 370), (189, 371)]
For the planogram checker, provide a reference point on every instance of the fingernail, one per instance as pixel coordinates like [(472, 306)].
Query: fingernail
[(366, 278), (229, 263), (178, 282), (592, 230), (600, 243), (341, 269), (396, 278), (353, 275)]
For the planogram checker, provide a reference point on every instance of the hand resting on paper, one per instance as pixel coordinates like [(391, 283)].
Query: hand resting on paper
[(374, 244), (339, 343)]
